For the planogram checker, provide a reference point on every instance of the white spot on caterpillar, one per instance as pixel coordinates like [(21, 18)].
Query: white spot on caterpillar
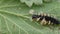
[(31, 11), (38, 19), (43, 22), (49, 22)]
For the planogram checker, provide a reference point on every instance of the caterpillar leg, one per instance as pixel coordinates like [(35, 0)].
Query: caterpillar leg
[(38, 19), (49, 23), (43, 22)]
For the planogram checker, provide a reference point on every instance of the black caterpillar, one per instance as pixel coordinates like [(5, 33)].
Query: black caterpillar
[(47, 19)]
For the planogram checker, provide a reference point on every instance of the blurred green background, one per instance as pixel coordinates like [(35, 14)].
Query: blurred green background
[(15, 18)]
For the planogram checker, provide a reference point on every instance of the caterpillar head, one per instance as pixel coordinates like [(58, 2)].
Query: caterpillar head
[(34, 17), (37, 17)]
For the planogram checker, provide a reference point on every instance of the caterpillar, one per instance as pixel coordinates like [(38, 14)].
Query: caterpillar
[(45, 19)]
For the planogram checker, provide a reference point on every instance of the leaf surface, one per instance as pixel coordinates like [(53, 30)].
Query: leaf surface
[(30, 2), (15, 18)]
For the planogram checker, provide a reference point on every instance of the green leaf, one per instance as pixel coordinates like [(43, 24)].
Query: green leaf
[(30, 2), (47, 1), (15, 18), (38, 2)]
